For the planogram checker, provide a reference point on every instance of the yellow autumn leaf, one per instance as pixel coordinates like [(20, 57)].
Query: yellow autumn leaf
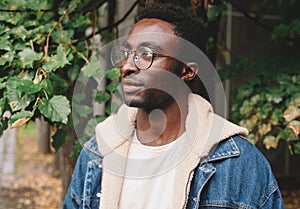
[(295, 126), (291, 113), (270, 142), (19, 122), (264, 129), (297, 101)]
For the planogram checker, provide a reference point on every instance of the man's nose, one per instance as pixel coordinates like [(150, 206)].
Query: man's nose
[(128, 66)]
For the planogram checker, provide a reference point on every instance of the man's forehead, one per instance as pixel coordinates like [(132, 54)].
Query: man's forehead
[(149, 25), (154, 39)]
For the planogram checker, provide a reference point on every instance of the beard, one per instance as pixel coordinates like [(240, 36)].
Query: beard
[(150, 99)]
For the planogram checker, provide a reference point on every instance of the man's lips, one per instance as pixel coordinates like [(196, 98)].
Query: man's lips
[(130, 85)]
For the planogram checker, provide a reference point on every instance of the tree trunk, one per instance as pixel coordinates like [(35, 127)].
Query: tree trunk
[(43, 135), (66, 165)]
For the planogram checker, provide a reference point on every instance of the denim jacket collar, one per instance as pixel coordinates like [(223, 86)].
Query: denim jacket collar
[(227, 150)]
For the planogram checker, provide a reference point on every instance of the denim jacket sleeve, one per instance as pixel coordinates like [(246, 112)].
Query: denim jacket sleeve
[(235, 175), (274, 201), (84, 189)]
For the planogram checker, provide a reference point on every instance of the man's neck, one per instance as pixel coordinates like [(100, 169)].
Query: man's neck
[(160, 127)]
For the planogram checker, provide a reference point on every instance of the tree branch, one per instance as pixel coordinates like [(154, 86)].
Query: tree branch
[(256, 20), (55, 25), (247, 15), (114, 24), (24, 10)]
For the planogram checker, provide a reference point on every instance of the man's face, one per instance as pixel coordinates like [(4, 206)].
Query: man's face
[(151, 88)]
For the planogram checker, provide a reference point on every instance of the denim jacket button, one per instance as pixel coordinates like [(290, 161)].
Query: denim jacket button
[(99, 194)]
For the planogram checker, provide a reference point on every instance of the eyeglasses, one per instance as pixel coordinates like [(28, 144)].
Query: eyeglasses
[(142, 57)]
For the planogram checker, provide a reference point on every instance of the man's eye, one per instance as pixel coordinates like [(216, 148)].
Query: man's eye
[(146, 55)]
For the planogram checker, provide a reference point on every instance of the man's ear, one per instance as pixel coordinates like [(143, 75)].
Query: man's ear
[(189, 71)]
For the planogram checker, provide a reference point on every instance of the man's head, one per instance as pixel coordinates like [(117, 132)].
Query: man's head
[(184, 24), (153, 77)]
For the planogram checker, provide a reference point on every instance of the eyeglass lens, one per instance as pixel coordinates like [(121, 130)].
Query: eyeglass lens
[(142, 57)]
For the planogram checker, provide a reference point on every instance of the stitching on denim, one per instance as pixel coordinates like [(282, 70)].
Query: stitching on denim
[(227, 154), (86, 191), (213, 170), (203, 169), (224, 204), (92, 146), (267, 197), (75, 197)]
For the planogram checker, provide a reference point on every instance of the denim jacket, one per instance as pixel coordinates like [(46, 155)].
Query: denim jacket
[(218, 167), (234, 175)]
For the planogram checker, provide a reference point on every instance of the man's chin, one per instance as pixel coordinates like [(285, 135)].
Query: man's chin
[(132, 103)]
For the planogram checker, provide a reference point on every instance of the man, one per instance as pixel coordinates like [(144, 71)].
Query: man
[(166, 148)]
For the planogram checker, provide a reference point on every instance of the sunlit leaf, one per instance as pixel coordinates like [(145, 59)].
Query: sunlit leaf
[(56, 61), (7, 58), (17, 99), (5, 45), (28, 56), (264, 129), (271, 142), (56, 109), (295, 126), (65, 36), (93, 68), (291, 113), (20, 118)]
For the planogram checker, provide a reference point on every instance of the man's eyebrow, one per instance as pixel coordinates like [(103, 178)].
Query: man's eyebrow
[(151, 44), (144, 44), (125, 44)]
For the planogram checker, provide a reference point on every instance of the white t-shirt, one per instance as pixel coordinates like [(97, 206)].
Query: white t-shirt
[(150, 174)]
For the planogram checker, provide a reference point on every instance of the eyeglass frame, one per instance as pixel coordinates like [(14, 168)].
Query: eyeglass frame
[(134, 52)]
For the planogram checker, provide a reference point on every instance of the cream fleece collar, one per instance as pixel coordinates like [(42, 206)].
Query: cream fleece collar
[(204, 131)]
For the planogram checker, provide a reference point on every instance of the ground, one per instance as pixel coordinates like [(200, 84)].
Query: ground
[(37, 186)]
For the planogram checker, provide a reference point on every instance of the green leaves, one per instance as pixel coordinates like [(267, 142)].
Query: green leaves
[(16, 93), (56, 61), (214, 11), (93, 69), (102, 96), (283, 30), (268, 104), (56, 109), (28, 56), (58, 139), (20, 118), (113, 73), (40, 60), (3, 124)]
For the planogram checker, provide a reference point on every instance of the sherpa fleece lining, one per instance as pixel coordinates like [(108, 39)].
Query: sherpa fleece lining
[(204, 131)]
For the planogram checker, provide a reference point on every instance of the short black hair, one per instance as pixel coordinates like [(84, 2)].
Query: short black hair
[(185, 25)]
